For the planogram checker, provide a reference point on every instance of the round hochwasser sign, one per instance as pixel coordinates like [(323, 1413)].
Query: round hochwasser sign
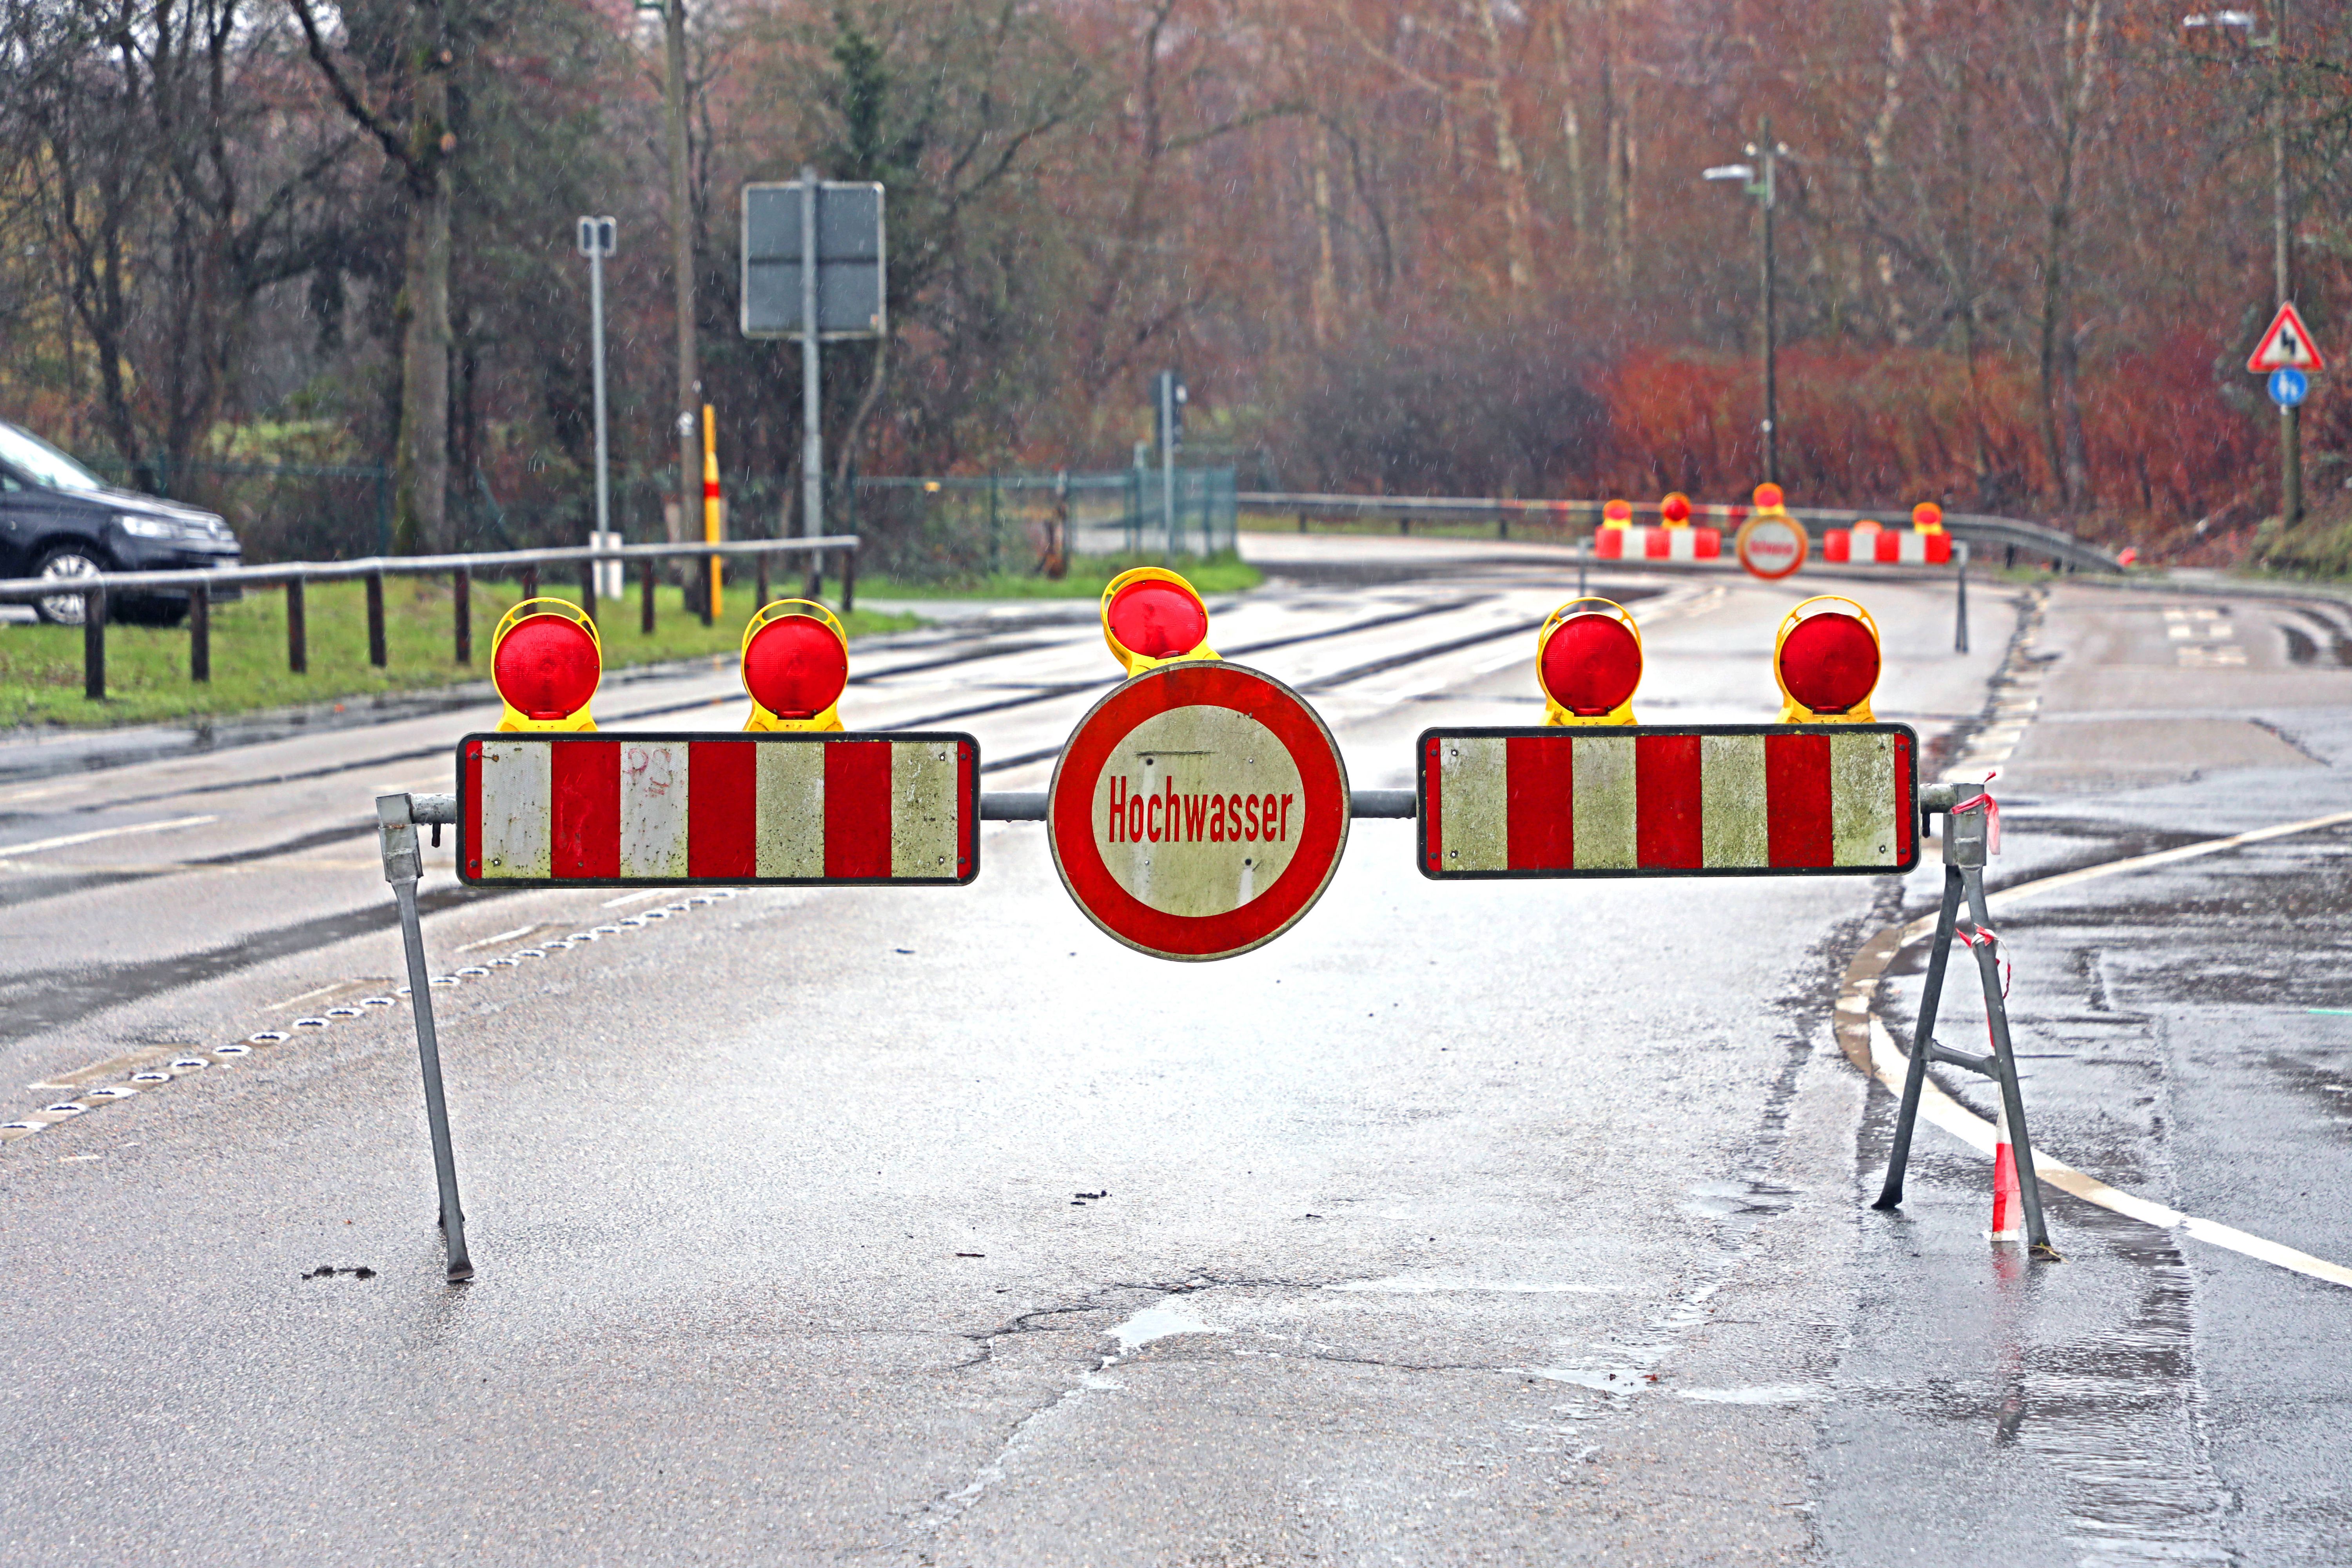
[(1198, 811), (1773, 544)]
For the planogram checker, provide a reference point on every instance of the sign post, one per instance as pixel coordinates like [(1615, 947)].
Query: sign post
[(2288, 356), (815, 268), (600, 237)]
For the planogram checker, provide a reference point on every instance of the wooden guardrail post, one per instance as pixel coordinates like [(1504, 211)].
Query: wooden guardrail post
[(588, 587), (531, 582), (377, 654), (298, 633), (646, 596), (93, 644), (816, 576), (461, 607), (200, 633), (760, 586), (849, 579)]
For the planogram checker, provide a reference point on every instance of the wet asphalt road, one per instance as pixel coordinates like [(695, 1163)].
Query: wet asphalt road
[(1465, 1223)]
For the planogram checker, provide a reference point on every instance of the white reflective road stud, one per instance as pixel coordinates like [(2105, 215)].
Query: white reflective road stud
[(1603, 802), (789, 836), (653, 809), (1861, 800), (922, 809), (1733, 828), (1474, 801), (517, 808)]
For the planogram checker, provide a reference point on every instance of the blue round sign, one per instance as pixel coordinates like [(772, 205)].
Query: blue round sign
[(2289, 387)]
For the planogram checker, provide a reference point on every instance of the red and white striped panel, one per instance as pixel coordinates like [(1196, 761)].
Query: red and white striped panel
[(1719, 799), (1657, 545), (1887, 546), (646, 810)]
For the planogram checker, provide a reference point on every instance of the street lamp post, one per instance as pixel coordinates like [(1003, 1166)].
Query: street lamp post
[(2282, 254), (599, 237), (1760, 179)]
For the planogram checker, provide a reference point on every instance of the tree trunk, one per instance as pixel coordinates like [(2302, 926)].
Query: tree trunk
[(1518, 218), (421, 471)]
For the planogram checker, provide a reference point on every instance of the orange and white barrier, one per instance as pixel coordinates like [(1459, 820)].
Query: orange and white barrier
[(1886, 546), (728, 809), (1657, 545)]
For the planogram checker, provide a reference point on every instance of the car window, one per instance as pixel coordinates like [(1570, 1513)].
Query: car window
[(44, 464)]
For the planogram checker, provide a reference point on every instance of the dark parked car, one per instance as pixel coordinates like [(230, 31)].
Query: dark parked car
[(59, 519)]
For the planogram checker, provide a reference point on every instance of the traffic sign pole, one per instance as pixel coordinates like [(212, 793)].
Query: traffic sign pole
[(2288, 356), (812, 385)]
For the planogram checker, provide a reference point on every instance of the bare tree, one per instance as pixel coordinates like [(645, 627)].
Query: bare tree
[(420, 148)]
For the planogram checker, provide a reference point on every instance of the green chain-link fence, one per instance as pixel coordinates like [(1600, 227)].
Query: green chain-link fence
[(929, 530)]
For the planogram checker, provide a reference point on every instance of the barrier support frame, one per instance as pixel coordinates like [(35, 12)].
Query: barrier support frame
[(1966, 834), (397, 817)]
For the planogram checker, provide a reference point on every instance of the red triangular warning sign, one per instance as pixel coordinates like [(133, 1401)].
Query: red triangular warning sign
[(2286, 346)]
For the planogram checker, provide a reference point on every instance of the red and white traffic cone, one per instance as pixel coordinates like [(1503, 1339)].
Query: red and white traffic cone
[(2007, 1195)]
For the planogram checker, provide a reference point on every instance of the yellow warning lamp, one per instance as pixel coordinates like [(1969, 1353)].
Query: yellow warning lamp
[(1827, 662), (1867, 525), (1674, 512), (1152, 616), (1617, 514), (1587, 663), (546, 660), (796, 666), (1927, 518), (1769, 498)]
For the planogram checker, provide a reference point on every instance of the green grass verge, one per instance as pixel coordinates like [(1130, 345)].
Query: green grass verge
[(1088, 575), (147, 667)]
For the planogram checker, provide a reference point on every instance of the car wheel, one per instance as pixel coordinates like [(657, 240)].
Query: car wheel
[(71, 559)]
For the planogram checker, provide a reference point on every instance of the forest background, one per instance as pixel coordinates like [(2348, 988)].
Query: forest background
[(1397, 245)]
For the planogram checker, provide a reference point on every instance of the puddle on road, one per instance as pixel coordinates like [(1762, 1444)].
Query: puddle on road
[(1162, 1319), (1768, 1394)]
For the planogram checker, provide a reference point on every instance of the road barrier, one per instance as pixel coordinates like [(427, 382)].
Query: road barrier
[(93, 590), (1200, 809), (2022, 541), (1657, 545)]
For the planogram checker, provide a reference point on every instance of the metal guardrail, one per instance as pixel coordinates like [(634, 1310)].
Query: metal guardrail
[(293, 575), (2019, 538)]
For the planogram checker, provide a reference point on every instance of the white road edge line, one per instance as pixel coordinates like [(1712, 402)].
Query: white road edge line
[(9, 851), (1889, 1065)]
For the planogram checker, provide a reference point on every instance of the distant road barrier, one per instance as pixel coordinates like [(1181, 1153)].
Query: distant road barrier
[(2018, 539), (523, 564)]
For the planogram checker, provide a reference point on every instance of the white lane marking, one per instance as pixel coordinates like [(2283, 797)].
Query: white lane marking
[(627, 898), (1890, 1066), (8, 851), (504, 936)]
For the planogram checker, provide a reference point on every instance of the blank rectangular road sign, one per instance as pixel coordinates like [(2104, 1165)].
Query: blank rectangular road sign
[(664, 810), (850, 260), (1645, 800)]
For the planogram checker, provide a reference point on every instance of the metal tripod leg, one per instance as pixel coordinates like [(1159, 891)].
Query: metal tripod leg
[(403, 865), (2004, 1073), (1914, 1079)]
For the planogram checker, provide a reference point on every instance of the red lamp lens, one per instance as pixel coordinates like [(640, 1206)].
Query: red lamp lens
[(1926, 514), (1830, 663), (1767, 495), (796, 667), (546, 667), (1618, 511), (1157, 619), (1592, 664), (1676, 507)]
